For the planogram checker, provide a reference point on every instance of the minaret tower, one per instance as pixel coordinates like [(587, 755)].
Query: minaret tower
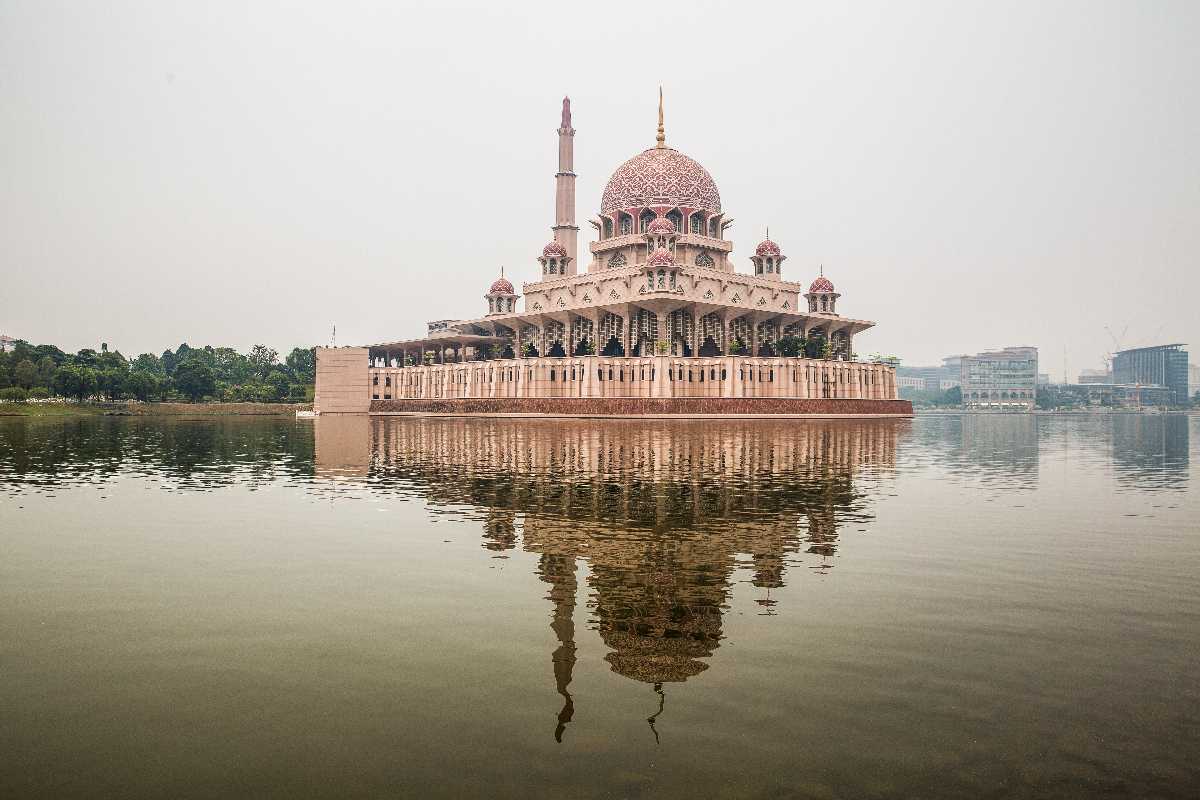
[(566, 232)]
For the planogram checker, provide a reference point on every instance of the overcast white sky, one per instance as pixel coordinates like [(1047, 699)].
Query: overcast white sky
[(972, 175)]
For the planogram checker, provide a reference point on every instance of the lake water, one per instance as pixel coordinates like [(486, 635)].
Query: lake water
[(976, 606)]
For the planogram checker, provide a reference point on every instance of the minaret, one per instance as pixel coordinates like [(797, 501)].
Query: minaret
[(566, 232)]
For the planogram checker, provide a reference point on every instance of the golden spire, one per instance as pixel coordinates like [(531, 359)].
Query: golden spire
[(662, 134)]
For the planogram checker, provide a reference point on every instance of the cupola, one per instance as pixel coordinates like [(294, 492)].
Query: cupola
[(768, 259), (554, 260), (662, 273), (501, 297), (822, 297)]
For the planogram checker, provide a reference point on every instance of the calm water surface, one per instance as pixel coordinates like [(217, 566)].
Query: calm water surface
[(352, 607)]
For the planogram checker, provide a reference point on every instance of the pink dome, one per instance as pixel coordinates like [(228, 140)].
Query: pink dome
[(767, 248), (501, 286), (660, 226), (660, 176), (821, 284), (661, 258), (554, 250)]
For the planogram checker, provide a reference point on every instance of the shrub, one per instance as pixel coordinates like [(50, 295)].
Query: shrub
[(39, 393), (14, 394)]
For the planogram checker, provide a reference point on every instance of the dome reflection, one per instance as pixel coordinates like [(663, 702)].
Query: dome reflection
[(663, 514)]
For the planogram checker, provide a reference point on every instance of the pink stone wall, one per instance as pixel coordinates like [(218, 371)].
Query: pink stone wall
[(649, 377), (575, 406), (342, 381)]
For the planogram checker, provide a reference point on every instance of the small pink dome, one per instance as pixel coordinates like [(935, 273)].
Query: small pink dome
[(501, 286), (661, 258), (660, 226), (554, 250), (821, 284), (766, 248)]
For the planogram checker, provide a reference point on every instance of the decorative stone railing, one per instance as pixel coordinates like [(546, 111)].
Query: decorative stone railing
[(630, 376)]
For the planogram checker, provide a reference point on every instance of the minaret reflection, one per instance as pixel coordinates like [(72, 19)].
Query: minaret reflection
[(664, 514)]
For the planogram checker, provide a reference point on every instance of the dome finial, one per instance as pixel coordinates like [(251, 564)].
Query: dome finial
[(661, 138)]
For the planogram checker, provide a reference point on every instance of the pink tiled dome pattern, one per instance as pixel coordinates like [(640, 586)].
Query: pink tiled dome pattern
[(501, 286), (554, 250), (660, 226), (766, 248), (821, 284), (661, 258), (660, 176)]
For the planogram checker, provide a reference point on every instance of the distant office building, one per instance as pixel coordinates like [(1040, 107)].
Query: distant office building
[(1044, 378), (932, 379), (7, 343), (1121, 395), (1162, 365), (1095, 376), (910, 382), (1000, 380), (1193, 380)]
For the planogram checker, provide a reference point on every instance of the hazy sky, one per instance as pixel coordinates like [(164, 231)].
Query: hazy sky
[(971, 175)]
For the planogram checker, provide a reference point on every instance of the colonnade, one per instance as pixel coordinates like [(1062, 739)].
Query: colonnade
[(652, 376)]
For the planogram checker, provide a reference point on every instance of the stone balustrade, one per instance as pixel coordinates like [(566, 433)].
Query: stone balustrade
[(637, 377)]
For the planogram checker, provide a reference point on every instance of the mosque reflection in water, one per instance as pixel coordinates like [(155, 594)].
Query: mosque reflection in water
[(664, 513)]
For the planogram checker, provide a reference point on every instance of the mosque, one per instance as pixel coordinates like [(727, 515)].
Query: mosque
[(656, 321)]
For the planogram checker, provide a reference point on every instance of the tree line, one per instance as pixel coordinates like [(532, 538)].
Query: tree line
[(186, 373)]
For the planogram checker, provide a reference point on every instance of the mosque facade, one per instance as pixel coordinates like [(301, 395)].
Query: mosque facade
[(655, 319)]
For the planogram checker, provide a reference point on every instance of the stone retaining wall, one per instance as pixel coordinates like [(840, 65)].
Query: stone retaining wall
[(632, 407)]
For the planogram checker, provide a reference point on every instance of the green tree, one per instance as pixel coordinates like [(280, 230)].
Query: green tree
[(148, 362), (14, 394), (74, 380), (791, 346), (278, 383), (111, 382), (302, 363), (53, 353), (87, 358), (195, 379), (25, 374), (140, 385), (952, 396), (45, 370), (231, 366), (169, 362), (262, 358)]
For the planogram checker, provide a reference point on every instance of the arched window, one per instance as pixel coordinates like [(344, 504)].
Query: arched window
[(696, 223), (618, 260), (704, 260), (626, 224), (607, 234), (676, 219), (644, 221)]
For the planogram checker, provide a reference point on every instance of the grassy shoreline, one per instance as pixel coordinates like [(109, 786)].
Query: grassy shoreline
[(133, 409)]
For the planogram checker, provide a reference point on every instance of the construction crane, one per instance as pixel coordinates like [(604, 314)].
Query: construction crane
[(1117, 346)]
